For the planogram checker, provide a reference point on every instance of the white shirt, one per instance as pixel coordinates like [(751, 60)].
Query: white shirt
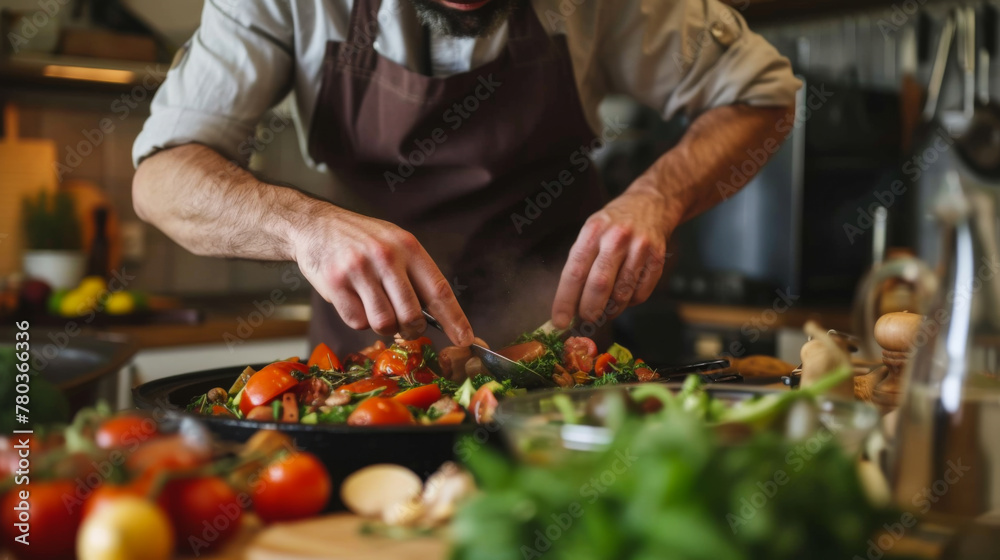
[(671, 55)]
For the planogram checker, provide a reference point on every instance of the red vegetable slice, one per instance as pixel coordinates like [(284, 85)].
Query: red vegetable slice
[(421, 397), (271, 381), (323, 357), (579, 353), (603, 364)]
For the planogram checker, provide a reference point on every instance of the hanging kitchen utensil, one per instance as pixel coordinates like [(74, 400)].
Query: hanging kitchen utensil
[(979, 146)]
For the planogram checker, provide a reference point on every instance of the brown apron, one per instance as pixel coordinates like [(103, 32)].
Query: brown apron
[(455, 161)]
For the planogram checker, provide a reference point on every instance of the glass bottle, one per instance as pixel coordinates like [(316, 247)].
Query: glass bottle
[(946, 461)]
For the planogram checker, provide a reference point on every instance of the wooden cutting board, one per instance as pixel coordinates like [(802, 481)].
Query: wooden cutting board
[(27, 167), (338, 537)]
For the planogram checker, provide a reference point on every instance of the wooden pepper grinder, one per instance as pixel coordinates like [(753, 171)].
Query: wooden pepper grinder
[(894, 332)]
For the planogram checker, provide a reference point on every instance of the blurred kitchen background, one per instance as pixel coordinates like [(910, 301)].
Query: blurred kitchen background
[(76, 78)]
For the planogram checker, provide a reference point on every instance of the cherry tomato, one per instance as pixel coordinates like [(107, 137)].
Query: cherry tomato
[(204, 511), (293, 487), (323, 357), (454, 417), (420, 397), (370, 384), (53, 524), (168, 453), (268, 383), (603, 364), (125, 430), (579, 353), (380, 411), (483, 405)]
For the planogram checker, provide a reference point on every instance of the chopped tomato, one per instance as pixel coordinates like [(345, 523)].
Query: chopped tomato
[(324, 358), (455, 417), (424, 376), (483, 404), (374, 350), (268, 383), (219, 410), (603, 364), (370, 384), (380, 411), (644, 373), (414, 346), (402, 358), (420, 397), (579, 353)]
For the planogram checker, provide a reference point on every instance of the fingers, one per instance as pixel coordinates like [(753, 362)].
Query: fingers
[(378, 309), (604, 274), (406, 305), (574, 276), (349, 307), (648, 275), (434, 290)]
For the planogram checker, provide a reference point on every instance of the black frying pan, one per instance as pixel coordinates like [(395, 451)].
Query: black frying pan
[(343, 449)]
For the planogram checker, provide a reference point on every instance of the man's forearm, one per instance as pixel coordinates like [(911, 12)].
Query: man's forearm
[(697, 173), (213, 208)]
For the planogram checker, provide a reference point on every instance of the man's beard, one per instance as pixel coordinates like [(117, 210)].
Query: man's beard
[(455, 23)]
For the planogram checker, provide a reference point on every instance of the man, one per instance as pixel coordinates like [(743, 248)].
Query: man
[(461, 130)]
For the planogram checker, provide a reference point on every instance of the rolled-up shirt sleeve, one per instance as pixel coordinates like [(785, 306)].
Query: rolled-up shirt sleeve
[(237, 65), (688, 56)]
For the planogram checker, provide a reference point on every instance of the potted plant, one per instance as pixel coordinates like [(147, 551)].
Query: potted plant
[(53, 235)]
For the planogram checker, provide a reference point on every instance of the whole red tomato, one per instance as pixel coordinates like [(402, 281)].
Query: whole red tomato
[(295, 486), (125, 430), (204, 511), (380, 411), (268, 383), (53, 525)]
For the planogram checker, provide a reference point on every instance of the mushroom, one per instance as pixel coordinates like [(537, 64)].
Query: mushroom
[(371, 491)]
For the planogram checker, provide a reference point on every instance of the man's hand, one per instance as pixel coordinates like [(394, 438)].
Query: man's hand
[(376, 274), (617, 259), (373, 272)]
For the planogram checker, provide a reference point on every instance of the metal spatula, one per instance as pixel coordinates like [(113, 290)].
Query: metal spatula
[(499, 367)]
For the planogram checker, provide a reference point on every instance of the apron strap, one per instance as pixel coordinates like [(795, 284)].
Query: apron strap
[(527, 37), (359, 50)]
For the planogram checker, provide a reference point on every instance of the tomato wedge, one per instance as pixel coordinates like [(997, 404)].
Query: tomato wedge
[(370, 384), (603, 364), (456, 417), (268, 383), (380, 411), (324, 358), (420, 397), (483, 404)]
